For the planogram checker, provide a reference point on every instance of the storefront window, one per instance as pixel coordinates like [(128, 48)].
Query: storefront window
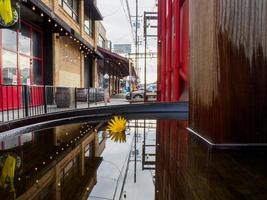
[(21, 56), (25, 41), (37, 72), (9, 61), (36, 40), (25, 69), (9, 39)]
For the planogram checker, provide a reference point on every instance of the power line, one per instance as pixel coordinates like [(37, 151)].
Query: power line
[(129, 15), (113, 13), (130, 21)]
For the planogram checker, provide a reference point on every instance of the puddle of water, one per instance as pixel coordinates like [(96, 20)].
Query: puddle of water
[(160, 160)]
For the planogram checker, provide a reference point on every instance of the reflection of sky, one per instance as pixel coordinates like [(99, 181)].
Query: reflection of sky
[(115, 156)]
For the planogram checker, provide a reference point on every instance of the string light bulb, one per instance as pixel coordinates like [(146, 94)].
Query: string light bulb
[(49, 20), (42, 14), (33, 7)]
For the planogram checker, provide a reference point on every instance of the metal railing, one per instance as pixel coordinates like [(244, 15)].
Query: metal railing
[(20, 101), (69, 9)]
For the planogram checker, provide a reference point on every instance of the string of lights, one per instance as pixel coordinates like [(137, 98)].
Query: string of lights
[(84, 49)]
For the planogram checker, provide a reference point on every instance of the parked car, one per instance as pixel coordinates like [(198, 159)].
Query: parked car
[(139, 94)]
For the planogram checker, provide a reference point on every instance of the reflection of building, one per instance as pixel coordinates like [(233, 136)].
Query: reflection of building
[(56, 46), (59, 163)]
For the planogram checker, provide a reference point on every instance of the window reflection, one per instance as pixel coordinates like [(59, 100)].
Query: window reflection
[(88, 25), (25, 65), (37, 72), (25, 41), (88, 151), (9, 39), (19, 48), (9, 61), (36, 39)]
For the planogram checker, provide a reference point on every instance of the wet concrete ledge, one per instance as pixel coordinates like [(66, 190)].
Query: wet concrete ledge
[(177, 111)]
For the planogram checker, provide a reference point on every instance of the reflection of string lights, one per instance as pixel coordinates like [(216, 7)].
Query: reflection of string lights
[(86, 128)]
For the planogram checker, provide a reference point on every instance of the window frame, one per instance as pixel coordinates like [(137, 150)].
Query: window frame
[(21, 54), (74, 15)]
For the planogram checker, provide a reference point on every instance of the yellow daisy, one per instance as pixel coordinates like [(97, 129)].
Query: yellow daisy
[(116, 128)]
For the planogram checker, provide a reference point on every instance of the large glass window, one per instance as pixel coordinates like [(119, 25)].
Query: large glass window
[(25, 70), (9, 64), (37, 72), (9, 39), (25, 40), (71, 7), (36, 41), (22, 59)]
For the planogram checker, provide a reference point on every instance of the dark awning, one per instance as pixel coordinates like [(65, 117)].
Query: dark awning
[(92, 10), (116, 62)]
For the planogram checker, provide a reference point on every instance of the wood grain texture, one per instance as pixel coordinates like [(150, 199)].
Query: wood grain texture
[(228, 70)]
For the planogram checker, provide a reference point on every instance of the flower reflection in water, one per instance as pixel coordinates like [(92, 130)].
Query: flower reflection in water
[(117, 128)]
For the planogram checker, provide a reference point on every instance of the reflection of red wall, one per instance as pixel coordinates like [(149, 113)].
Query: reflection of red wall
[(173, 48), (171, 160)]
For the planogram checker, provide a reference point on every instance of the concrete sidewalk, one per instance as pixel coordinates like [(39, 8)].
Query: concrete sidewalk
[(39, 110)]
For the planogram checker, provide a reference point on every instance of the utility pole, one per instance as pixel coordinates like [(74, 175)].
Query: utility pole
[(136, 58), (145, 34), (136, 34)]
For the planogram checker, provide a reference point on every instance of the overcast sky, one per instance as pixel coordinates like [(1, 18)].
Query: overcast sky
[(118, 27)]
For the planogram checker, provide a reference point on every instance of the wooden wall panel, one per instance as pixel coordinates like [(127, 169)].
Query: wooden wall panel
[(228, 70)]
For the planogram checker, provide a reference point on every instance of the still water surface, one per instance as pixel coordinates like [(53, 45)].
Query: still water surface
[(160, 160)]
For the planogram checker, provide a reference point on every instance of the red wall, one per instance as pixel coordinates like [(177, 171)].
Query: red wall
[(173, 50)]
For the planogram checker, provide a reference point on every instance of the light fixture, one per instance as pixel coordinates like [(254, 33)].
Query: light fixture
[(66, 33), (33, 7), (55, 25), (49, 20), (61, 29), (42, 14)]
